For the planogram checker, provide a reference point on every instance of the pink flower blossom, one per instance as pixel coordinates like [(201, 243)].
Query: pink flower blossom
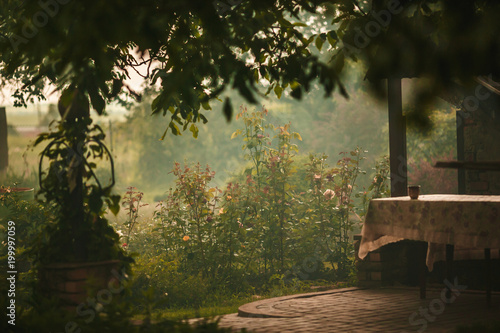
[(329, 194)]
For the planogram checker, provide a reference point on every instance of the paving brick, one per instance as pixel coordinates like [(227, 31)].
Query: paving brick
[(363, 310)]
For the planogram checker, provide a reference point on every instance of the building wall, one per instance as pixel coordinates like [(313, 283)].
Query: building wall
[(481, 131)]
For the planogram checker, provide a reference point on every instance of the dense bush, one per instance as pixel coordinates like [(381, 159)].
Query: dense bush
[(283, 219)]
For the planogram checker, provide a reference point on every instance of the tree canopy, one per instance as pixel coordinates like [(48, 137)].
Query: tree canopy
[(196, 49)]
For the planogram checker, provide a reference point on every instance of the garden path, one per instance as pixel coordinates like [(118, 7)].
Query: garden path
[(365, 310)]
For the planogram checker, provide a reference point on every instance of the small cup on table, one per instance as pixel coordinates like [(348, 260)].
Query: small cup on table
[(414, 191)]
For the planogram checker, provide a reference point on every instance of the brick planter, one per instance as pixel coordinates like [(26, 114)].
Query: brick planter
[(391, 264), (74, 283)]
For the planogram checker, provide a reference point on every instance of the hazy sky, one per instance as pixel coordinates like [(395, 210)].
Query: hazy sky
[(134, 82)]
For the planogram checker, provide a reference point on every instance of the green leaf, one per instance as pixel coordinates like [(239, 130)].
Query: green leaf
[(338, 62), (203, 118), (256, 75), (296, 93), (155, 105), (206, 105), (319, 43), (294, 85), (309, 41), (332, 38), (235, 134), (333, 35), (246, 93), (172, 125), (268, 90), (297, 136), (228, 109), (114, 204), (194, 129), (278, 90), (117, 87), (174, 128), (97, 101), (94, 202)]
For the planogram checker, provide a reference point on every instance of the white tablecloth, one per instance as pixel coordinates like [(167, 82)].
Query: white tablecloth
[(466, 221)]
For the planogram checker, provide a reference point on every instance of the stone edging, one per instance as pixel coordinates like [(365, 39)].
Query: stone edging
[(264, 308)]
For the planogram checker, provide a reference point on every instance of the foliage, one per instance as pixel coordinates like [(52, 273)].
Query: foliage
[(203, 53), (328, 210), (115, 317), (405, 32), (380, 186), (78, 231), (41, 314), (437, 141), (29, 220), (433, 180), (195, 228), (173, 286), (211, 47), (132, 203), (29, 216), (426, 148), (267, 221)]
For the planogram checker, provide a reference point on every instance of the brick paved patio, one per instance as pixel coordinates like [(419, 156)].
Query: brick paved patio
[(365, 310)]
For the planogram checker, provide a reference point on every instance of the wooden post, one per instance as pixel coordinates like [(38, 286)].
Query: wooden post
[(460, 118), (4, 148), (397, 139)]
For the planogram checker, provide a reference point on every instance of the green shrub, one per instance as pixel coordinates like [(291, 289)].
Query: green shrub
[(278, 218)]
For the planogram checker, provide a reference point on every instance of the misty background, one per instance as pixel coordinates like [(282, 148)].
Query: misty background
[(326, 125)]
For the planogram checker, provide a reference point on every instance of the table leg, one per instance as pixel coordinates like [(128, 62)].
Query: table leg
[(487, 259), (422, 270), (449, 268)]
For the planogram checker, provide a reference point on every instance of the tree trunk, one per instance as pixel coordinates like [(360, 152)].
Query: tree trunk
[(71, 113)]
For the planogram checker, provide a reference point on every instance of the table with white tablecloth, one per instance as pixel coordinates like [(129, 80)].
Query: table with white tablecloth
[(469, 222)]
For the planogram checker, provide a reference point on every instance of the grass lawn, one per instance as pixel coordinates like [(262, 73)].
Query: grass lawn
[(227, 307), (231, 305)]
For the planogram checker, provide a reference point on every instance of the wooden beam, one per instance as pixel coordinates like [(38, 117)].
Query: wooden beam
[(4, 148), (460, 150), (397, 139)]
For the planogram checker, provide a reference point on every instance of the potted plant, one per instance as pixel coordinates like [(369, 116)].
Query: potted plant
[(78, 251)]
